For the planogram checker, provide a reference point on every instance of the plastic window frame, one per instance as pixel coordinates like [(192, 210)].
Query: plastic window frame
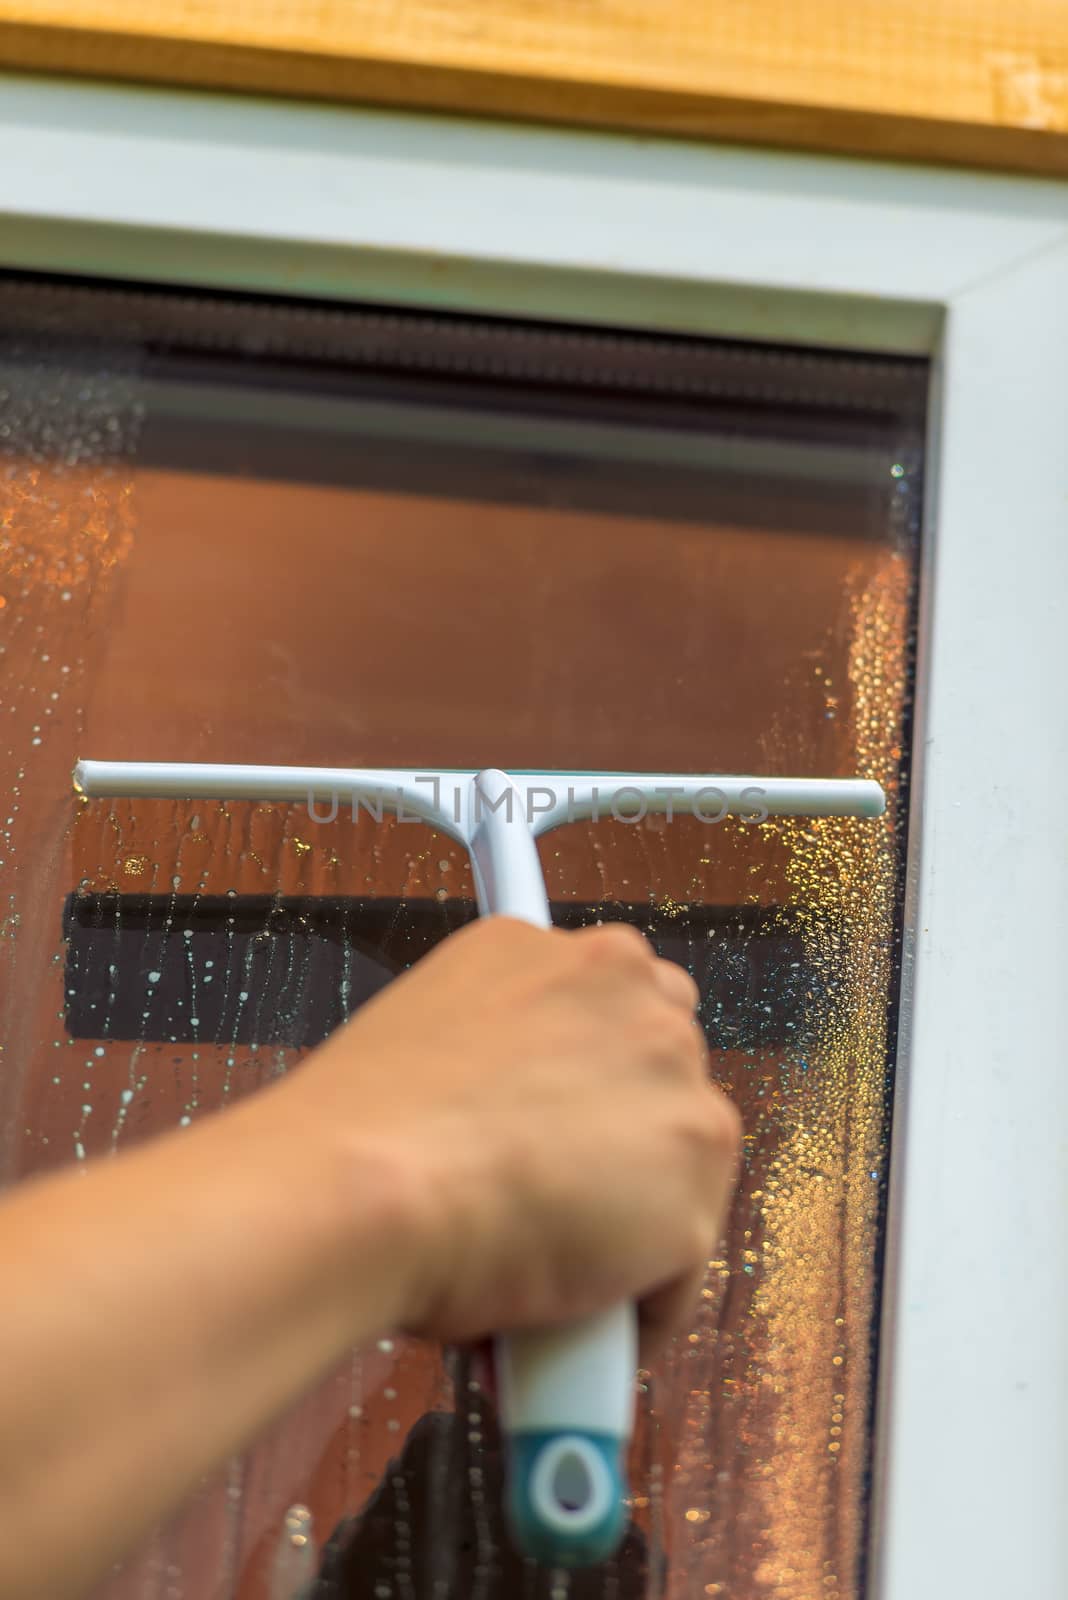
[(969, 269)]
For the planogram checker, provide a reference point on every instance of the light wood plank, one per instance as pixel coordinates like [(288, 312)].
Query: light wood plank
[(981, 82)]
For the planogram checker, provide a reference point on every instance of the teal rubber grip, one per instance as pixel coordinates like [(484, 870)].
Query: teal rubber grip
[(566, 1496)]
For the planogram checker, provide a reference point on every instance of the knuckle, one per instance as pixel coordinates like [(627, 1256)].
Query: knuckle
[(702, 1237), (724, 1124), (615, 944), (678, 1038), (693, 1233), (676, 984), (668, 1038), (686, 984)]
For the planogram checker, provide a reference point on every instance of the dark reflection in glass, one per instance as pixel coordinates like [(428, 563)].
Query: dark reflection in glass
[(162, 967)]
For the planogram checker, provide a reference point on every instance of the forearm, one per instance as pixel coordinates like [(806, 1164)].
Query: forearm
[(531, 1137), (160, 1308)]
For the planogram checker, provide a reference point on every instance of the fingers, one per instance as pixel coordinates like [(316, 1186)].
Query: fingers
[(615, 944), (676, 985), (619, 945), (615, 948), (668, 1308)]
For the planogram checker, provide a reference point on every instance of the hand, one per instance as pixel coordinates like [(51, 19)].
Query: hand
[(541, 1098), (516, 1133)]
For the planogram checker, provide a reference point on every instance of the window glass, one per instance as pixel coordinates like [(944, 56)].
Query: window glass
[(235, 530)]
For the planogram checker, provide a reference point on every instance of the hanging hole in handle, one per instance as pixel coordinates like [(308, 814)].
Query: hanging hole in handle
[(572, 1484), (567, 1496)]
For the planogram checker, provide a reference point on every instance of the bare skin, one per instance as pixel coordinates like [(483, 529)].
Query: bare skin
[(515, 1133)]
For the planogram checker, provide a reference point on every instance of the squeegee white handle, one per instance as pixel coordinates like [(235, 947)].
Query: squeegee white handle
[(566, 1396)]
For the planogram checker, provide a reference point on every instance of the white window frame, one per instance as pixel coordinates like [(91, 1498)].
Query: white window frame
[(971, 270)]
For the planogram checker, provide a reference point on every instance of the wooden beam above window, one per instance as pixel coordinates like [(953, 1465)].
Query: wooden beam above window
[(975, 82)]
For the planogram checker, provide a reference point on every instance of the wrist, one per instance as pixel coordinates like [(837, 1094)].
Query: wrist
[(389, 1232), (367, 1205)]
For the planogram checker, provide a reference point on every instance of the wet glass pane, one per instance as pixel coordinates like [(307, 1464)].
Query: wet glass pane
[(237, 531)]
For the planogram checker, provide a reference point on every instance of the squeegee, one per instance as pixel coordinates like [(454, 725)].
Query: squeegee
[(566, 1396)]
